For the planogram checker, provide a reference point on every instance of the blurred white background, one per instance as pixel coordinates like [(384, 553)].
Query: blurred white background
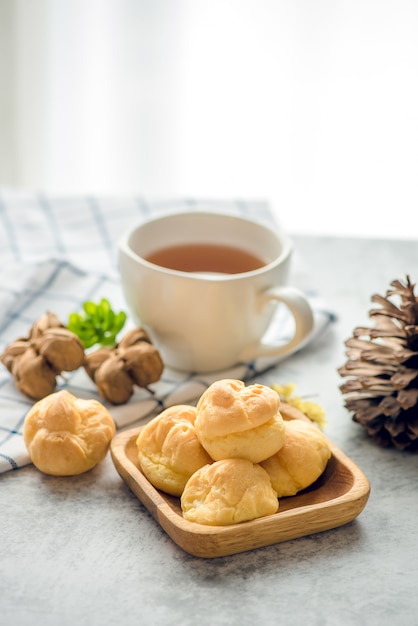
[(309, 104)]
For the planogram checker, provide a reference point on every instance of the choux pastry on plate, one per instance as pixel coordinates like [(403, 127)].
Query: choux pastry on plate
[(228, 492), (169, 451), (66, 435), (300, 461), (238, 421)]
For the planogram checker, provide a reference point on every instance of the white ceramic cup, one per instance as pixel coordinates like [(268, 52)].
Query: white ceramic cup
[(204, 322)]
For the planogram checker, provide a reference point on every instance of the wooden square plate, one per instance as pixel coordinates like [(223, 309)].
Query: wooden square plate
[(335, 499)]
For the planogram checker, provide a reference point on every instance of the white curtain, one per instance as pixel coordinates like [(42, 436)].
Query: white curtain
[(311, 105)]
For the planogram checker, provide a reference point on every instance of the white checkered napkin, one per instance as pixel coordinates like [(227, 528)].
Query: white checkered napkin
[(55, 253)]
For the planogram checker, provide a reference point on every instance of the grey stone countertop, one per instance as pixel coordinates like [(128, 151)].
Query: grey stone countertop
[(85, 551)]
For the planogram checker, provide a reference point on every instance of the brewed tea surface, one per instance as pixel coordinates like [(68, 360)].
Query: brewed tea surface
[(206, 258)]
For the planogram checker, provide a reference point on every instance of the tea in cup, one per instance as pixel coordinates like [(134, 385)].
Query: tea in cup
[(206, 285)]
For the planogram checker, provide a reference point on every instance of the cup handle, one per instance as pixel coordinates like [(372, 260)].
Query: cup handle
[(302, 313)]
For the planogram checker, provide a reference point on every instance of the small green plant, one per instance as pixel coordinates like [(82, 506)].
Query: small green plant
[(98, 325)]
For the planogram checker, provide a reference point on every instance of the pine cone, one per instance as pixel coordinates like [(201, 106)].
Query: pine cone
[(382, 388)]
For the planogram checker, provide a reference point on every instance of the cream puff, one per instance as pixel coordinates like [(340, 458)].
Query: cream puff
[(66, 435), (226, 492), (300, 461), (238, 421), (169, 451)]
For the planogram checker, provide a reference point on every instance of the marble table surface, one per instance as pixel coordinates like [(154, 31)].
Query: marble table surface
[(85, 551)]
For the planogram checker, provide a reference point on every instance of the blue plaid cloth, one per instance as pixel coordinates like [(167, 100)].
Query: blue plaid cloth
[(55, 253)]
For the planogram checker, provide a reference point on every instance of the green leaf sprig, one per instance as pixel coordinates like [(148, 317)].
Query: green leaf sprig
[(98, 325)]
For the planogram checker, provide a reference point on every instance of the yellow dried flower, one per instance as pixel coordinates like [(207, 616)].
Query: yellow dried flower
[(313, 410)]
